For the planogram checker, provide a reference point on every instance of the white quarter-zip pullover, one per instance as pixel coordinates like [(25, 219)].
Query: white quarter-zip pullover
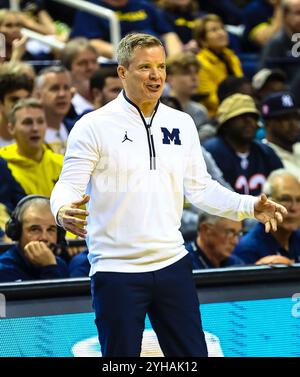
[(137, 176)]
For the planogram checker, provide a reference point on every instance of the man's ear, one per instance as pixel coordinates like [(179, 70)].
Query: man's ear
[(73, 91), (121, 71)]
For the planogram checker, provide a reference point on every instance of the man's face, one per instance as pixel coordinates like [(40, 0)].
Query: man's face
[(111, 89), (216, 36), (185, 83), (242, 128), (29, 129), (11, 28), (287, 193), (292, 18), (38, 224), (222, 237), (56, 93), (12, 98), (144, 79), (84, 65), (286, 128)]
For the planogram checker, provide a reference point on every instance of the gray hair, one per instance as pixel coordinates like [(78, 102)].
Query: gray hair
[(269, 186), (207, 218), (21, 104), (128, 44), (34, 202), (73, 48), (41, 77)]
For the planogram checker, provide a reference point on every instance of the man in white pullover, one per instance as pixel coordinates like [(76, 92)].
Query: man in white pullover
[(131, 162)]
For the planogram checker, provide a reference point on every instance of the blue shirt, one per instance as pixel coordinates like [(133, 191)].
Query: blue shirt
[(244, 178), (10, 190), (14, 266), (136, 15), (200, 260), (79, 265), (257, 244)]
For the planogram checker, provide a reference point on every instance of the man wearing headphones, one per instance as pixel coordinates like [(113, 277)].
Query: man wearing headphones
[(33, 227)]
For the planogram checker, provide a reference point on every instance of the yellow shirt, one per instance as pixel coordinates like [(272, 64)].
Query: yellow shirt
[(35, 177), (212, 72)]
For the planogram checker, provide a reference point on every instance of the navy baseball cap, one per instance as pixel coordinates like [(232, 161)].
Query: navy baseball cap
[(277, 104)]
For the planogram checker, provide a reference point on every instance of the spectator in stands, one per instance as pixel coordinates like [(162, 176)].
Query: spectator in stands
[(282, 50), (11, 191), (281, 246), (32, 163), (262, 19), (105, 85), (33, 16), (245, 162), (183, 78), (33, 227), (134, 15), (266, 81), (232, 85), (217, 61), (80, 58), (281, 117), (181, 14), (10, 28), (53, 89), (13, 87), (215, 241)]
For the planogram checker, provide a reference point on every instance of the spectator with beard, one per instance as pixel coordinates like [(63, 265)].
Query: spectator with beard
[(244, 162)]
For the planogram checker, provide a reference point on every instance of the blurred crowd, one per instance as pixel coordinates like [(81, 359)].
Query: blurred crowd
[(232, 65)]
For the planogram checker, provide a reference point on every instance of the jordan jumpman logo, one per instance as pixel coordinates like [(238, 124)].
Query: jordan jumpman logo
[(126, 137)]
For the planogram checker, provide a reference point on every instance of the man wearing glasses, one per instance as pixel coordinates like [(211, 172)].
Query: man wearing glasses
[(282, 246), (215, 242)]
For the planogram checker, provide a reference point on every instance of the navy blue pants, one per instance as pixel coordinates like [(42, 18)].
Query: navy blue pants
[(168, 296)]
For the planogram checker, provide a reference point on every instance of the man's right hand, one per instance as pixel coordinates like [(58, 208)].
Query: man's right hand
[(72, 217)]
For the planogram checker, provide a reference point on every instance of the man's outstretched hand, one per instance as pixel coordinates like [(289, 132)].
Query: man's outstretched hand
[(269, 213), (72, 217)]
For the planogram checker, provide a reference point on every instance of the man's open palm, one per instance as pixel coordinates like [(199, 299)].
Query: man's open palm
[(269, 213)]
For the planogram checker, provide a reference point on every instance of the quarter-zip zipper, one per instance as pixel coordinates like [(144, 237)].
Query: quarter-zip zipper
[(148, 130)]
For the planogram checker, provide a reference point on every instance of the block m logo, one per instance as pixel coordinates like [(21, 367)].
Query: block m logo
[(171, 136)]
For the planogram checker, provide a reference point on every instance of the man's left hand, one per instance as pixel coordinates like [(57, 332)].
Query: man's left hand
[(269, 213)]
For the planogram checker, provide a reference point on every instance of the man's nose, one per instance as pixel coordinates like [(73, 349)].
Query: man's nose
[(43, 236), (154, 73)]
